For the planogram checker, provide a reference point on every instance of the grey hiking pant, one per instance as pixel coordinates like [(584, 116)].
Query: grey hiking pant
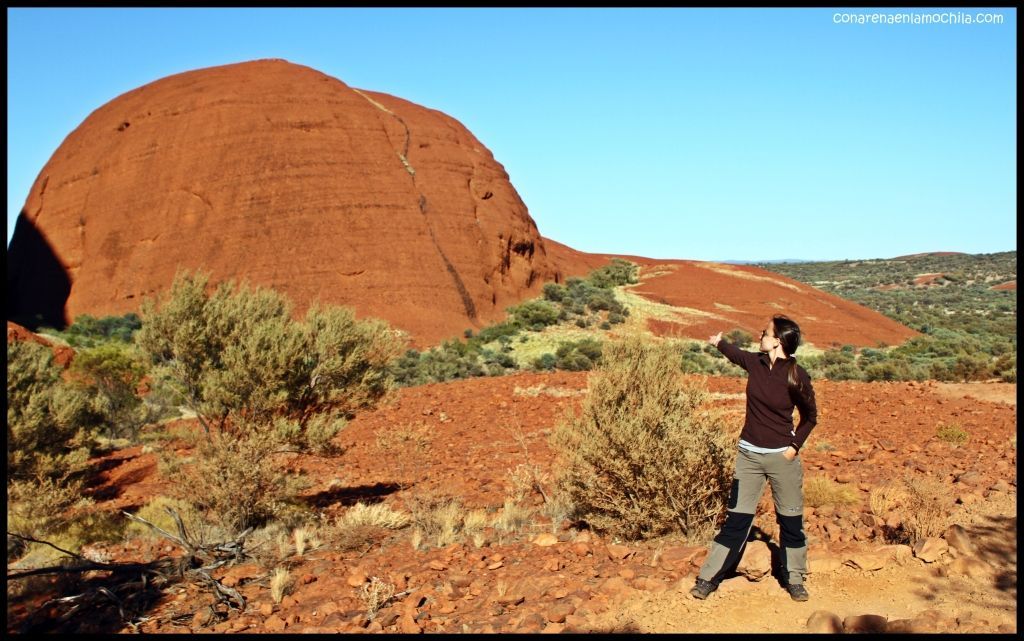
[(786, 479)]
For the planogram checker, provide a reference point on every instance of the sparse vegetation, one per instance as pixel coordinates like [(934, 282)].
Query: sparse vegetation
[(588, 303), (927, 508), (821, 490), (969, 329), (375, 594), (952, 433), (280, 584), (644, 457)]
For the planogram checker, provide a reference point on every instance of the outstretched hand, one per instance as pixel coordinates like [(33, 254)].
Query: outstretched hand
[(714, 339)]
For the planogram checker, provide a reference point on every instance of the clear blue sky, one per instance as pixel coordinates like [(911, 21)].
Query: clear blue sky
[(708, 134)]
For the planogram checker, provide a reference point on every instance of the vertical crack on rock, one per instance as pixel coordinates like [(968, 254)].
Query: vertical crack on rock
[(467, 300)]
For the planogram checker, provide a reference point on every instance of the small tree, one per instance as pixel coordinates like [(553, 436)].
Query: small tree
[(237, 354), (111, 373), (644, 456)]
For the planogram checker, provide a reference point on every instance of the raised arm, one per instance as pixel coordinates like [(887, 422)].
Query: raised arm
[(733, 353)]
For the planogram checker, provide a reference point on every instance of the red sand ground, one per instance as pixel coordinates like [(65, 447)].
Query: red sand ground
[(876, 431)]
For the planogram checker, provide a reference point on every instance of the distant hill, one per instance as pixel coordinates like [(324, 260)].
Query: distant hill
[(765, 262), (973, 293)]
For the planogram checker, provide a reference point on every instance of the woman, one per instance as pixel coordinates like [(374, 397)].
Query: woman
[(769, 450)]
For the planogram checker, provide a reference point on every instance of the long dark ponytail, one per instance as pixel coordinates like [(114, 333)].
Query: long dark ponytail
[(788, 333)]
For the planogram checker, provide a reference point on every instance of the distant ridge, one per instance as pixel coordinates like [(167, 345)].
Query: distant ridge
[(768, 262)]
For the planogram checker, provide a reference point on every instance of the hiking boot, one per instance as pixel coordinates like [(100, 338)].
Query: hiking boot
[(797, 591), (702, 589)]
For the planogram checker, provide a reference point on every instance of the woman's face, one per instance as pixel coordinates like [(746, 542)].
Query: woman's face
[(768, 339)]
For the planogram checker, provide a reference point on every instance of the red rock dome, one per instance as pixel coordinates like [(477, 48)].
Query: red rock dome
[(279, 174)]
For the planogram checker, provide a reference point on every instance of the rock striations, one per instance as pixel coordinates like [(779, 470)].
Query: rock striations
[(279, 174)]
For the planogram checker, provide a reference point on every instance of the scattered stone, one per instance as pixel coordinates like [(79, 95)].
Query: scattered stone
[(308, 578), (971, 478), (1000, 486), (275, 624), (958, 539), (971, 566), (863, 623), (619, 552), (756, 563), (821, 562), (930, 549), (559, 612), (824, 622), (266, 609), (897, 552), (869, 561), (545, 539), (437, 564), (901, 626)]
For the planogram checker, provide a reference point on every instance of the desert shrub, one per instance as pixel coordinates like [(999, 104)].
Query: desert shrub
[(952, 433), (971, 368), (238, 353), (884, 498), (375, 515), (739, 337), (235, 481), (927, 508), (534, 314), (578, 355), (375, 594), (820, 490), (616, 272), (281, 583), (843, 372), (1005, 368), (643, 457), (888, 370), (111, 373), (89, 331), (50, 424), (554, 292), (545, 362), (438, 520)]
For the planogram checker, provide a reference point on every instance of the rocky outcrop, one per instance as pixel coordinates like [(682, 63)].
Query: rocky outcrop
[(279, 174)]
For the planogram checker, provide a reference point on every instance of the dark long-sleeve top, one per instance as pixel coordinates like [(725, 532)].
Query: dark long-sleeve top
[(769, 419)]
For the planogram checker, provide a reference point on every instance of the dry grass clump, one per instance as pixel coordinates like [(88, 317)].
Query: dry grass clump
[(820, 490), (376, 515), (442, 521), (375, 594), (928, 507), (952, 433), (646, 456), (884, 498), (362, 524), (280, 584), (513, 517)]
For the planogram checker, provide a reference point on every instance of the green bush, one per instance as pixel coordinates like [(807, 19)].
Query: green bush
[(534, 314), (617, 272), (50, 424), (739, 337), (111, 373), (644, 457), (238, 353), (545, 362), (88, 331)]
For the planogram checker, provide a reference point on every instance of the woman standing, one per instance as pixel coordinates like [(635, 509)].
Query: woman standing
[(769, 450)]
